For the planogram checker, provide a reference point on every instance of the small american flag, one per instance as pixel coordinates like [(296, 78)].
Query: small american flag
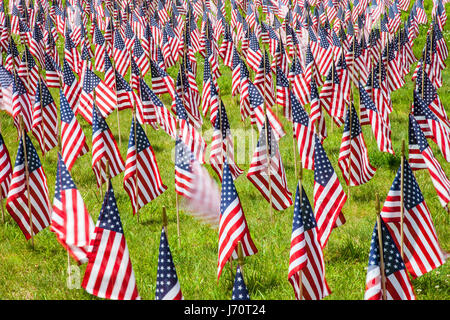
[(142, 180), (109, 273), (5, 169), (381, 130), (100, 47), (183, 169), (71, 221), (354, 147), (21, 104), (140, 57), (104, 147), (71, 87), (283, 93), (332, 97), (267, 158), (432, 126), (254, 54), (323, 57), (398, 285), (421, 157), (304, 133), (73, 140), (53, 72), (222, 146), (422, 252), (120, 54), (240, 291), (161, 81), (167, 284), (71, 53), (17, 200), (306, 263), (233, 226), (329, 197), (90, 83)]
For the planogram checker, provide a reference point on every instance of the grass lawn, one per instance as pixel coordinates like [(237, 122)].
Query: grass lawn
[(40, 273)]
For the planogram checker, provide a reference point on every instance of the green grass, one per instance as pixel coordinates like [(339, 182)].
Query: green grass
[(40, 273)]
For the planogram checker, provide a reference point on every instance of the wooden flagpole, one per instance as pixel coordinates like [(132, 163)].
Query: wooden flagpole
[(380, 247), (115, 88), (402, 198), (349, 176), (98, 163), (27, 176), (1, 195), (136, 180), (293, 129), (240, 257), (332, 83)]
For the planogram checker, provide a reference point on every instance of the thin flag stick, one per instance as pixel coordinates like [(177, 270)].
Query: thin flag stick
[(240, 257), (402, 198), (164, 220), (98, 163), (380, 247), (293, 129), (1, 195), (136, 194), (332, 83), (349, 176), (27, 177), (267, 139), (300, 188), (115, 88)]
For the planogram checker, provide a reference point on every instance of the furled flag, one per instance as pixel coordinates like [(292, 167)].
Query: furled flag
[(283, 93), (183, 170), (71, 221), (306, 264), (104, 147), (422, 252), (329, 197), (73, 140), (109, 273), (222, 145), (100, 47), (397, 283), (303, 132), (71, 53), (381, 130), (254, 54), (323, 56), (267, 172), (21, 104), (34, 195), (167, 284), (5, 169), (421, 157), (53, 72), (432, 126), (233, 225), (353, 154), (240, 291), (316, 114), (45, 118), (142, 180)]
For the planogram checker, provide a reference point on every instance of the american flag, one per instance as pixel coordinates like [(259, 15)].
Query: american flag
[(329, 197), (332, 97), (100, 47), (283, 93), (86, 102), (17, 200), (394, 76), (306, 263), (353, 154), (125, 95), (304, 133), (71, 87), (21, 104), (398, 285), (161, 81), (120, 54), (5, 169), (140, 57), (254, 54), (183, 169), (222, 147), (381, 130), (244, 90), (188, 133), (432, 126), (109, 273), (12, 56), (322, 56), (71, 53), (129, 36), (146, 110), (226, 50), (422, 252), (73, 140), (29, 73), (53, 72), (45, 119), (142, 180), (240, 291), (316, 113), (71, 221), (421, 157), (104, 147), (233, 226), (37, 44), (167, 284), (266, 164)]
